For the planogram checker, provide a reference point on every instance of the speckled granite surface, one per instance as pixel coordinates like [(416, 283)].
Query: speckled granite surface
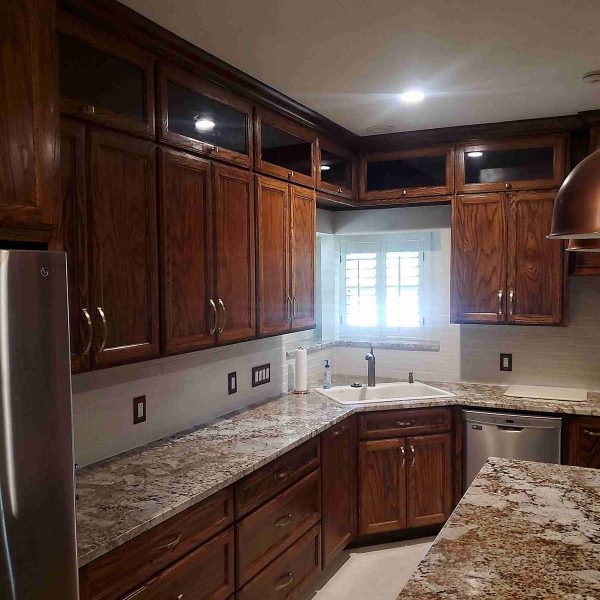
[(124, 496), (522, 530), (408, 345)]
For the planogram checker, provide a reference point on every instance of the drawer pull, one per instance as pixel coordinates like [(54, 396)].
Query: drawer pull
[(414, 456), (404, 423), (284, 521), (589, 432), (284, 581), (284, 474), (340, 430), (180, 597), (403, 457), (169, 546)]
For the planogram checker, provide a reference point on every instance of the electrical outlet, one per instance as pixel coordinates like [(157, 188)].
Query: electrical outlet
[(139, 409), (261, 375), (506, 362), (232, 383)]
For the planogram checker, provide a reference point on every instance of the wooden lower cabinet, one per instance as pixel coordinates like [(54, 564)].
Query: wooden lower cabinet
[(339, 453), (582, 442)]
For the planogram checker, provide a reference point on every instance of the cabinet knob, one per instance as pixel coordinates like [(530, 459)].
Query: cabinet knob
[(180, 597), (508, 185), (404, 192), (291, 174), (88, 109), (403, 423), (340, 190)]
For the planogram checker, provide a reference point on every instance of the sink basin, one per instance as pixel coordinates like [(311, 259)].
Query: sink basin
[(384, 392)]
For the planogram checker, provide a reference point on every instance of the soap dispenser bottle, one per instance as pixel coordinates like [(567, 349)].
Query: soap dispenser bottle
[(327, 375)]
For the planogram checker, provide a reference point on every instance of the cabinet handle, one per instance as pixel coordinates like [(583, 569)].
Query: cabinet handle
[(414, 456), (283, 474), (340, 190), (403, 457), (296, 308), (213, 306), (340, 430), (104, 329), (404, 423), (404, 192), (500, 296), (180, 597), (508, 185), (511, 302), (284, 581), (290, 314), (88, 322), (284, 521), (169, 546), (222, 306), (589, 432), (88, 109), (291, 174)]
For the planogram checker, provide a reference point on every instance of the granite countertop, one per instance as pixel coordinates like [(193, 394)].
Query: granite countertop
[(522, 530), (123, 496)]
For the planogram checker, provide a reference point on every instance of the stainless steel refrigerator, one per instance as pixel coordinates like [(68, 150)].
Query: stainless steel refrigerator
[(37, 498)]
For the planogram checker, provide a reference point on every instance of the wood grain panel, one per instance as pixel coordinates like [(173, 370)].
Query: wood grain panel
[(273, 279), (535, 264), (124, 271), (339, 454), (382, 486), (429, 483), (73, 238), (478, 259), (582, 442), (397, 423), (234, 261), (303, 242), (187, 254)]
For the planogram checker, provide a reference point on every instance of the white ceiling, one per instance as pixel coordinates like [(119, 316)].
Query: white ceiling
[(479, 61)]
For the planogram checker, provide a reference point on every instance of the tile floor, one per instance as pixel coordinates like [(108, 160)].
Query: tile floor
[(370, 573)]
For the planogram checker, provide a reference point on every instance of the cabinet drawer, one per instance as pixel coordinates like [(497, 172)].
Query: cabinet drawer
[(399, 423), (129, 565), (269, 480), (264, 534), (286, 576), (205, 574)]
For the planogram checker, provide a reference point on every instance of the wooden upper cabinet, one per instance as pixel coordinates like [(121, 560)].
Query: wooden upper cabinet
[(203, 117), (535, 273), (273, 275), (189, 320), (124, 262), (336, 169), (428, 479), (478, 272), (303, 239), (73, 239), (406, 174), (103, 79), (234, 256), (29, 143), (522, 164), (284, 149)]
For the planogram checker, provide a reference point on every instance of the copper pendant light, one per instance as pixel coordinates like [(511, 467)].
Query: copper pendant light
[(577, 205), (588, 245)]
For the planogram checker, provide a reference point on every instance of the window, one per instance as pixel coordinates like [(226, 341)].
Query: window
[(381, 285)]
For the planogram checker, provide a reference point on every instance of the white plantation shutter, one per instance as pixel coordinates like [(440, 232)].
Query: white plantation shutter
[(361, 289), (402, 279)]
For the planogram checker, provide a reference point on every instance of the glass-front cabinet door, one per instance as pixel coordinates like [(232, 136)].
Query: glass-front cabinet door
[(104, 80), (407, 174), (336, 169), (531, 163), (204, 117), (284, 149)]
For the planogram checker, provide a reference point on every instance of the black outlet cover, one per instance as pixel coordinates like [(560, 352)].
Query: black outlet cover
[(232, 383), (506, 362), (139, 409)]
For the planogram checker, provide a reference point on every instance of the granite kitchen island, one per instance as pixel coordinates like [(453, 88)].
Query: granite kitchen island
[(522, 530)]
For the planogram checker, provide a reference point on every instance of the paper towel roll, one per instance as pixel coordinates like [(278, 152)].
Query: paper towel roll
[(301, 370)]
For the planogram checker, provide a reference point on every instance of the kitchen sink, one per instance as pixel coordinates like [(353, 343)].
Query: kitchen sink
[(383, 392)]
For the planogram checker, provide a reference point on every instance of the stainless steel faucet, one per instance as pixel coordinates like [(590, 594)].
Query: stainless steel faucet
[(370, 358)]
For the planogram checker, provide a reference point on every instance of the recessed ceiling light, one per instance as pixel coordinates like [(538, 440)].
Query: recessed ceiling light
[(325, 167), (412, 96), (203, 124), (474, 154)]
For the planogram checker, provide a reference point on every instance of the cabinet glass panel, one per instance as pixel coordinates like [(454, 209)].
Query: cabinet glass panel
[(100, 79), (286, 150), (200, 118), (336, 170), (409, 172), (496, 166)]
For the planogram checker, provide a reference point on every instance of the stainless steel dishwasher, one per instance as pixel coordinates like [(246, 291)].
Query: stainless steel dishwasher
[(508, 435)]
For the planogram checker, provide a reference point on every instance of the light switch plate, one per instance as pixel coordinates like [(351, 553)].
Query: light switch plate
[(261, 375), (232, 383), (139, 409), (506, 362)]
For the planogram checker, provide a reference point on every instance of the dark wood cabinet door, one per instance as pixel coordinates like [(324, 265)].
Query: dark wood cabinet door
[(429, 479), (29, 126), (382, 486), (303, 240), (124, 266), (273, 280), (535, 268), (284, 149), (478, 273), (73, 239), (189, 311), (582, 441), (521, 164), (336, 169), (104, 79), (234, 265), (595, 139), (339, 453)]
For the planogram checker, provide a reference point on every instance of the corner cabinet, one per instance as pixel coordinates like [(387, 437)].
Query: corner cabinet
[(504, 269), (286, 240), (582, 441), (336, 170)]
